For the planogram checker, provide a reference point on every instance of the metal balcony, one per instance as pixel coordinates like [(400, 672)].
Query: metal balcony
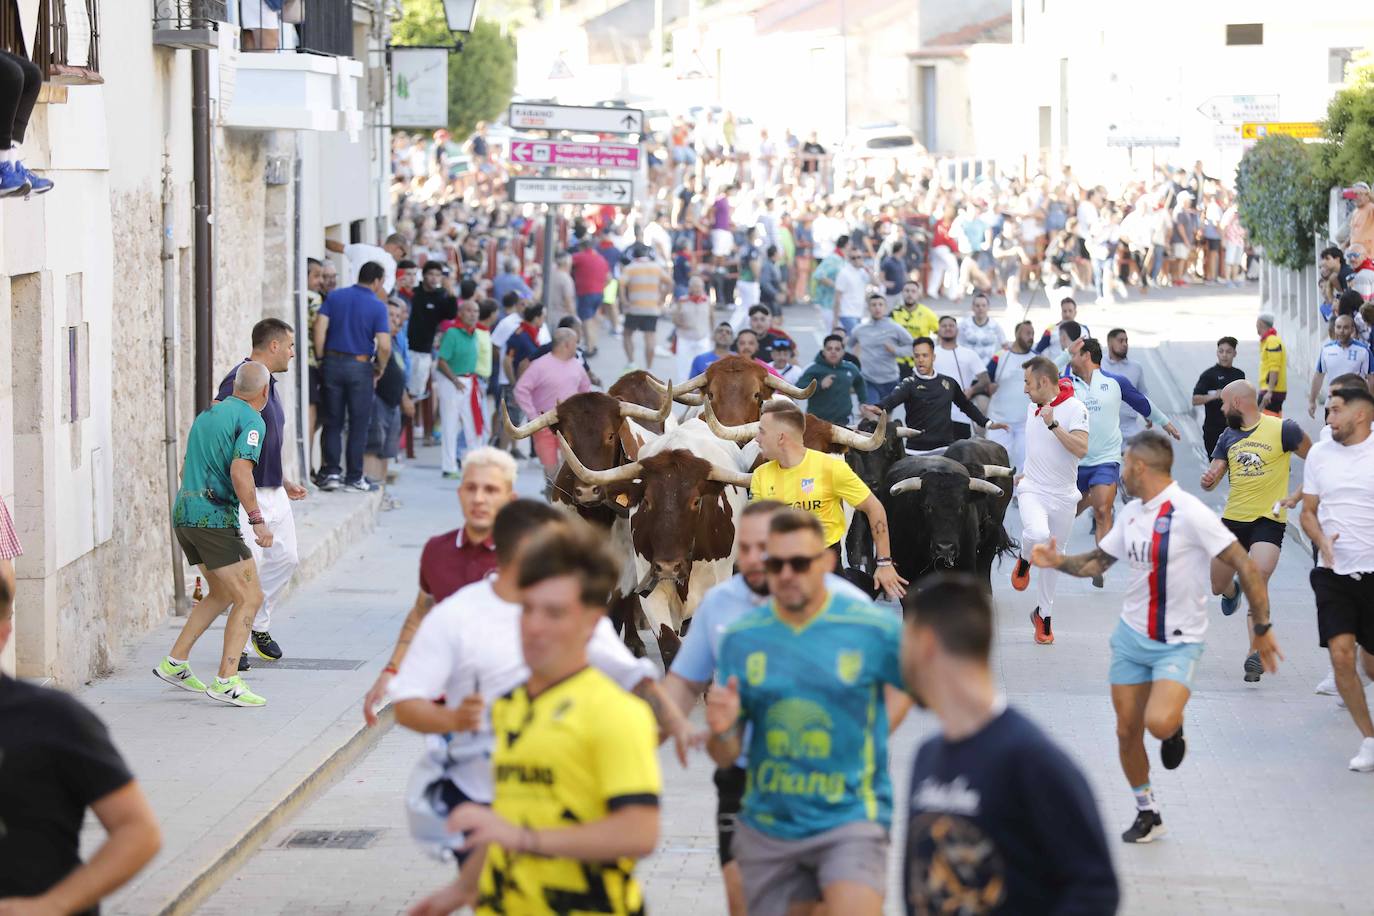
[(66, 43), (189, 24)]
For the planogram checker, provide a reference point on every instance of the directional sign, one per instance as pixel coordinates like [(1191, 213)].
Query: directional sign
[(575, 155), (572, 117), (619, 192), (1303, 130), (1240, 107)]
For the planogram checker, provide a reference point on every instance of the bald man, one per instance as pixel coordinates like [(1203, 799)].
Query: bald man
[(222, 450), (1254, 452)]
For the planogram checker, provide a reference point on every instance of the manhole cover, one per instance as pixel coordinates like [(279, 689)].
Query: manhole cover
[(311, 664), (331, 839)]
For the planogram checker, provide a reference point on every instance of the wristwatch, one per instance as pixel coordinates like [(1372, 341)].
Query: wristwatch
[(1262, 628), (1054, 424)]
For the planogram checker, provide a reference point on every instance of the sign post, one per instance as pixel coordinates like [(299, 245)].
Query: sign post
[(575, 155), (525, 116), (615, 191)]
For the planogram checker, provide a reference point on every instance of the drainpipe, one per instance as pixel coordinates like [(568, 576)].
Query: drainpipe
[(205, 289), (169, 370), (300, 311)]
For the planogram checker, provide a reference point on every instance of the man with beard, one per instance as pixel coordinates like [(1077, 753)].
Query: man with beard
[(1254, 452), (977, 831), (695, 666), (1167, 537)]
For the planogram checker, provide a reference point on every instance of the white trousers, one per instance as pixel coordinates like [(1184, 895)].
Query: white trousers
[(944, 269), (1013, 440), (688, 349), (276, 564), (747, 291), (1044, 517), (455, 413), (421, 366)]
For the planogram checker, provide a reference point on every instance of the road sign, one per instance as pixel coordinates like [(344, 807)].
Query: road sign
[(575, 155), (573, 117), (1303, 130), (617, 191), (1240, 108)]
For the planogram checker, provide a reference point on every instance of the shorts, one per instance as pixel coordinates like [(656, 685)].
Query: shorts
[(383, 430), (1098, 475), (588, 304), (1138, 659), (1345, 604), (722, 242), (417, 379), (1275, 405), (778, 873), (1180, 250), (213, 548), (1212, 244), (730, 782), (1257, 531), (313, 383), (1235, 255), (546, 447), (645, 323)]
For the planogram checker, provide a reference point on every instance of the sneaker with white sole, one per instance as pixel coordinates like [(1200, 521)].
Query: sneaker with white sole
[(178, 675), (234, 692), (1147, 828), (1327, 688), (1363, 762)]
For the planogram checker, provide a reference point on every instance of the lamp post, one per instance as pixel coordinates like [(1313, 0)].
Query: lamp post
[(460, 14)]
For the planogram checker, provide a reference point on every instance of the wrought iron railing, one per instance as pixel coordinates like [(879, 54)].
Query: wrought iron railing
[(328, 27), (312, 26), (190, 14), (66, 42)]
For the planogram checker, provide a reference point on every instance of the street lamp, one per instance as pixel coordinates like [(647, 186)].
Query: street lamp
[(460, 14)]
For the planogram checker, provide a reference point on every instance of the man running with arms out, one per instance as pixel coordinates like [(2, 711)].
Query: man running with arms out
[(1254, 452), (820, 484), (576, 777), (928, 397), (224, 445), (1338, 515), (805, 675), (1047, 488), (990, 779), (1167, 537)]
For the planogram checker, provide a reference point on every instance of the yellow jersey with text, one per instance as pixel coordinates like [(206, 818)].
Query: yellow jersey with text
[(572, 754), (1257, 463), (821, 484)]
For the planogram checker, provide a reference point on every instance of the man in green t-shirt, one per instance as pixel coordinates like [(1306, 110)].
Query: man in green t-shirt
[(217, 475)]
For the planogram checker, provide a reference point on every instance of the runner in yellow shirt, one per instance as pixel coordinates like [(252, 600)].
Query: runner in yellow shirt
[(917, 319), (1273, 372), (821, 484)]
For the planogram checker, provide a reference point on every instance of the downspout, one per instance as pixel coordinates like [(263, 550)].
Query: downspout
[(204, 265), (302, 322), (169, 371)]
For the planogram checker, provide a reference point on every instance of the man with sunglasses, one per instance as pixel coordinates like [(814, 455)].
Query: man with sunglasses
[(805, 675)]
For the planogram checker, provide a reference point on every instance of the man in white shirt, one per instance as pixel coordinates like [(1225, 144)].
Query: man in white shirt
[(467, 651), (1340, 356), (964, 366), (1047, 488), (850, 285), (978, 332), (1338, 515), (1168, 538), (358, 254), (1009, 400)]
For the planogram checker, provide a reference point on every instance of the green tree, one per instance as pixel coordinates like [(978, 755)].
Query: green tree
[(481, 78), (1348, 154), (1281, 199)]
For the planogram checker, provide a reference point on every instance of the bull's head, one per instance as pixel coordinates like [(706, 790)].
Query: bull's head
[(944, 490), (872, 464), (737, 386), (834, 435)]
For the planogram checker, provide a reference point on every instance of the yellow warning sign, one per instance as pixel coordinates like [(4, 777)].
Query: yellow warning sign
[(1303, 130)]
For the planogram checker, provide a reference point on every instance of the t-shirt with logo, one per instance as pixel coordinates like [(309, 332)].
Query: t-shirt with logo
[(1213, 380), (267, 472), (1273, 360), (1257, 463), (1335, 360), (813, 697), (1103, 397), (820, 484), (1167, 544), (229, 430), (569, 755)]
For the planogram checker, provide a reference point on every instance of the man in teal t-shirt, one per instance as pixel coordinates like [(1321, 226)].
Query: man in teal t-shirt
[(808, 674)]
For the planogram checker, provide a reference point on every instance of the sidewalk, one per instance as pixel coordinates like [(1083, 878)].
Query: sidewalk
[(219, 777)]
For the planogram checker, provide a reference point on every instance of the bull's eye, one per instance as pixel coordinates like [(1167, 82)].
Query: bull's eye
[(694, 503)]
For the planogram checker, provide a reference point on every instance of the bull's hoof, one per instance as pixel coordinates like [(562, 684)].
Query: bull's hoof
[(634, 642), (668, 645)]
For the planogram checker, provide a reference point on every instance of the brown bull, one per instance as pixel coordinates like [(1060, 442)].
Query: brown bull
[(819, 435), (737, 386), (639, 387)]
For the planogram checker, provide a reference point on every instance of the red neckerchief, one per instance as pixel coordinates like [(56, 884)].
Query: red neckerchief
[(532, 330), (464, 328), (1268, 333), (1065, 392), (1366, 264)]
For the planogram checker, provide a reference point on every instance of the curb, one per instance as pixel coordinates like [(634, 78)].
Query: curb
[(337, 538)]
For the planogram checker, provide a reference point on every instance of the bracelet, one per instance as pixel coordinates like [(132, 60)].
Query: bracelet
[(391, 669), (255, 517), (883, 561)]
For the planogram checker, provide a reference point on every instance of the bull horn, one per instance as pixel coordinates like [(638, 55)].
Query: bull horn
[(859, 441), (787, 388), (910, 485), (734, 478), (693, 383), (979, 485), (690, 400), (906, 432), (625, 472), (640, 412), (996, 470), (658, 386), (742, 433), (544, 420)]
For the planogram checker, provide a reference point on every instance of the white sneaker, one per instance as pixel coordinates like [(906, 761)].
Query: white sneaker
[(1327, 687), (1363, 762)]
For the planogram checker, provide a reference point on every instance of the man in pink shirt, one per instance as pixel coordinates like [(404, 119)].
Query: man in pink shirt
[(549, 380)]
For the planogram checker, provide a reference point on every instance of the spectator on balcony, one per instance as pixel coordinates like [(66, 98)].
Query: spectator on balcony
[(20, 80), (360, 253)]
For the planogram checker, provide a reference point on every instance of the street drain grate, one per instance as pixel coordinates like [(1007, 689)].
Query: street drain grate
[(331, 839), (311, 664)]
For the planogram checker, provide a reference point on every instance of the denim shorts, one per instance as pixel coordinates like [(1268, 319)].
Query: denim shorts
[(1096, 475), (588, 303), (1138, 659)]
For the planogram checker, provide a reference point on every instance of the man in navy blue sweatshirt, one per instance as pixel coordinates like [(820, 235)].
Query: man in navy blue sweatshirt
[(1001, 820)]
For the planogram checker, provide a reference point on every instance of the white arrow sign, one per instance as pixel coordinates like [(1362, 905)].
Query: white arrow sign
[(1227, 108), (524, 116), (571, 191)]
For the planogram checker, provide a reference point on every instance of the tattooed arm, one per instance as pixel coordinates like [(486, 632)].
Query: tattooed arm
[(886, 574), (423, 603), (1083, 565)]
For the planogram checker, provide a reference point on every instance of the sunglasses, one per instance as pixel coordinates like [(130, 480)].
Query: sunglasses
[(799, 565)]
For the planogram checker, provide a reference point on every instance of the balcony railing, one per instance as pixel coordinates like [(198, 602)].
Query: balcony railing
[(326, 27), (189, 24), (66, 41)]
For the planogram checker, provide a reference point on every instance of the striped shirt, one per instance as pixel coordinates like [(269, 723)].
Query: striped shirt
[(9, 541)]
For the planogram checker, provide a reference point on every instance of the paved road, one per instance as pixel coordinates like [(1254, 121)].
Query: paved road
[(1263, 815)]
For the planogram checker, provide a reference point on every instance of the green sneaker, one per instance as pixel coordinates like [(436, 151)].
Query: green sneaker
[(234, 692), (178, 675)]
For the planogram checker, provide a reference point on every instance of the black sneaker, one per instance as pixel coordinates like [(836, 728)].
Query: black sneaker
[(243, 661), (1098, 582), (1172, 749), (1148, 827), (1253, 668), (331, 482), (265, 645)]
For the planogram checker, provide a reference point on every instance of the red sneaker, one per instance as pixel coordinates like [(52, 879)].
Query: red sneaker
[(1043, 636), (1020, 574)]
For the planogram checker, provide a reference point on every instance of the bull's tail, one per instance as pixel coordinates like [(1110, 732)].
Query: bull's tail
[(1006, 546)]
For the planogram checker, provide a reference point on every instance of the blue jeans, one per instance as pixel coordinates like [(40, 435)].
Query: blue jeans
[(879, 390), (848, 324), (346, 397)]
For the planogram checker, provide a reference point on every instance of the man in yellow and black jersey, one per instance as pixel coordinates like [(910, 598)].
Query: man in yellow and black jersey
[(576, 774)]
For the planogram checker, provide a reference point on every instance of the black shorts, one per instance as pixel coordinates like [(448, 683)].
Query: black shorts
[(730, 782), (1345, 604), (444, 794), (646, 323), (1212, 244), (1275, 405), (1259, 531)]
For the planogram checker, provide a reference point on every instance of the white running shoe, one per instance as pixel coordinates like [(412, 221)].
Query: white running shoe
[(1327, 688), (1363, 762)]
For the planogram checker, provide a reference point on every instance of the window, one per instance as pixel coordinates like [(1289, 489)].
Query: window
[(1337, 59), (1246, 33)]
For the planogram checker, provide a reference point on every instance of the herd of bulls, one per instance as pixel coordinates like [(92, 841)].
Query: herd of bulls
[(668, 489)]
